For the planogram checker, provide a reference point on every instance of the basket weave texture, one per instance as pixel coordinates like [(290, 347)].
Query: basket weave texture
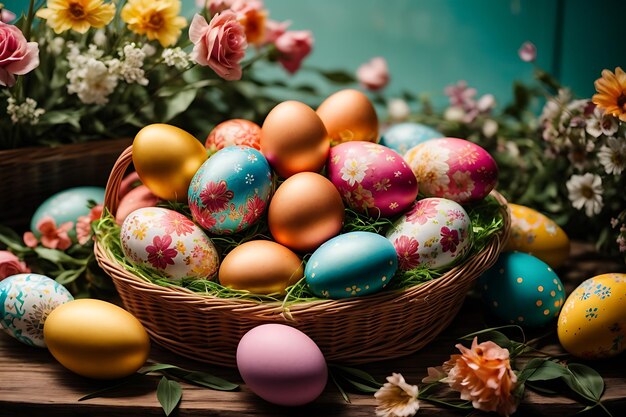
[(351, 331)]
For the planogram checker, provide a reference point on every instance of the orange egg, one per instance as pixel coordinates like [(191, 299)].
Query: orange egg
[(306, 211), (294, 139), (261, 267), (349, 115)]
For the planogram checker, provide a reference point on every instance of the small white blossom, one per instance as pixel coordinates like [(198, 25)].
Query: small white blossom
[(586, 191), (601, 123), (398, 109), (148, 49), (27, 112), (490, 128), (55, 46), (89, 78), (486, 103), (454, 114), (175, 57), (612, 156), (129, 66), (100, 38), (397, 398)]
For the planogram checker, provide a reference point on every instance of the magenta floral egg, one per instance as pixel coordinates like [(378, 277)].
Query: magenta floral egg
[(372, 178), (232, 133), (434, 233), (168, 242), (451, 168)]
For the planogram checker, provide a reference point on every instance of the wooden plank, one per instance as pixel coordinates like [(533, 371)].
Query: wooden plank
[(32, 383)]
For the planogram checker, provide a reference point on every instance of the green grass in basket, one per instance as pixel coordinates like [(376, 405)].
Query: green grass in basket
[(485, 216)]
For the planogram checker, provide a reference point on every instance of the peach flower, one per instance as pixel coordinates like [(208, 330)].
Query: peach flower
[(373, 75), (294, 46), (220, 44), (51, 236), (274, 30), (483, 375), (252, 15), (397, 398), (17, 55), (215, 6), (83, 224), (11, 265)]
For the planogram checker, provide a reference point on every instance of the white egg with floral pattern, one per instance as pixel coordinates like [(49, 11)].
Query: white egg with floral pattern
[(433, 233), (168, 243)]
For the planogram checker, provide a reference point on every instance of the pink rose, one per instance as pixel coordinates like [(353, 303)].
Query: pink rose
[(373, 75), (215, 6), (274, 29), (220, 44), (294, 46), (17, 56), (11, 265), (527, 52), (6, 16), (83, 224)]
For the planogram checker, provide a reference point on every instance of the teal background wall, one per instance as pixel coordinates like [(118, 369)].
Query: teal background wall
[(429, 44)]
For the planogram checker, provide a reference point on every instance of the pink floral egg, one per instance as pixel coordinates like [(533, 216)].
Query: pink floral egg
[(169, 243), (372, 178), (451, 168), (434, 233), (234, 132)]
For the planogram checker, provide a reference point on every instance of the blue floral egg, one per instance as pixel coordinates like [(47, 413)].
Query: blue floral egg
[(352, 264), (25, 302), (230, 191), (522, 289), (403, 136), (67, 206)]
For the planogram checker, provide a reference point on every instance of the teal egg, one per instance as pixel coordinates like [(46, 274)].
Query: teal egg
[(352, 264), (522, 289), (67, 206), (403, 136), (25, 302)]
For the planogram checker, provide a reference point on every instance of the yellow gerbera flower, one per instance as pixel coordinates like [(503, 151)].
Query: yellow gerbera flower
[(78, 15), (611, 95), (157, 19)]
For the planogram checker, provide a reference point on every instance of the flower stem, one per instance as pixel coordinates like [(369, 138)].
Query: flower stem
[(29, 19)]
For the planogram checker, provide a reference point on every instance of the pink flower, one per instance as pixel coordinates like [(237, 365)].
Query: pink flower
[(274, 30), (83, 224), (254, 209), (51, 236), (220, 44), (449, 239), (422, 211), (373, 75), (294, 46), (527, 52), (407, 247), (159, 253), (11, 265), (215, 6), (6, 16), (216, 196), (176, 222), (17, 56), (461, 95)]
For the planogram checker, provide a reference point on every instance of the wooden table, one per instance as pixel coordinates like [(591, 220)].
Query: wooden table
[(32, 383)]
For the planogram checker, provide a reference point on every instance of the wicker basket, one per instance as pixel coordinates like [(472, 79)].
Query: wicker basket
[(351, 331), (30, 175)]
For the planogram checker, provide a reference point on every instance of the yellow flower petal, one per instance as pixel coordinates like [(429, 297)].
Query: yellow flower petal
[(78, 15)]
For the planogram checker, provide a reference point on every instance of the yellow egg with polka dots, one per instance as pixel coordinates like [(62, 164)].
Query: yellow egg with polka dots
[(522, 289), (592, 324), (537, 235)]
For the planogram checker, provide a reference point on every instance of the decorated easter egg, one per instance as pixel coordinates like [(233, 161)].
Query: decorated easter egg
[(169, 243), (522, 289), (129, 182), (261, 267), (306, 211), (138, 197), (351, 264), (536, 234), (349, 115), (294, 139), (282, 365), (26, 300), (166, 158), (592, 323), (234, 132), (96, 339), (231, 190), (67, 206), (434, 233), (451, 168), (403, 136), (372, 178)]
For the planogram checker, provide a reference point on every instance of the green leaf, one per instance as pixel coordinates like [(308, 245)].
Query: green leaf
[(588, 378), (338, 77), (61, 117), (495, 336), (169, 394), (57, 256), (343, 393), (69, 276), (357, 374), (202, 379), (367, 389), (176, 104), (122, 383), (539, 369)]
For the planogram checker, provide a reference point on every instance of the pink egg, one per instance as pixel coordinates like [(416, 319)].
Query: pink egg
[(134, 199), (234, 132), (372, 178), (282, 365), (455, 169)]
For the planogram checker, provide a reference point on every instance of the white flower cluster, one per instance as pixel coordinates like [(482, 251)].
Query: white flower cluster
[(129, 66), (175, 57), (27, 112)]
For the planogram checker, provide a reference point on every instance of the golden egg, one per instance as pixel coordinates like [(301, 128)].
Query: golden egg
[(349, 115), (294, 139), (305, 212), (166, 159), (96, 339), (261, 267)]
